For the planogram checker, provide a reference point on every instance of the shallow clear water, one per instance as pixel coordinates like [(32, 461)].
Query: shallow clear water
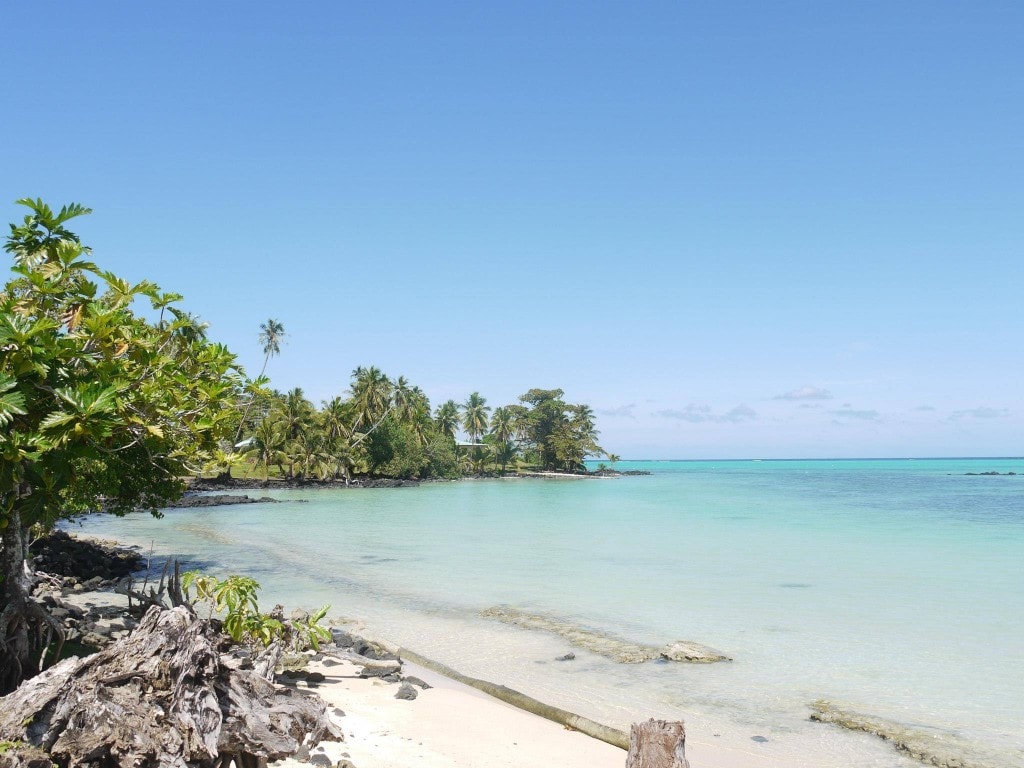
[(891, 587)]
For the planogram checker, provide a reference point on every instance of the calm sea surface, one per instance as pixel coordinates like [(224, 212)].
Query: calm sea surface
[(891, 587)]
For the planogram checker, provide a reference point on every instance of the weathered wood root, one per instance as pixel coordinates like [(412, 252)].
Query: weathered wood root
[(163, 696), (24, 757), (657, 744)]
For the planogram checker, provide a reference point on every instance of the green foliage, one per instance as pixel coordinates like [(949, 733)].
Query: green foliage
[(386, 429), (100, 407), (557, 435), (236, 598), (441, 460), (308, 632), (446, 419)]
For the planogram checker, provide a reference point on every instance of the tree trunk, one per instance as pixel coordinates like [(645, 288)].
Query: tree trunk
[(168, 695), (25, 628), (657, 744)]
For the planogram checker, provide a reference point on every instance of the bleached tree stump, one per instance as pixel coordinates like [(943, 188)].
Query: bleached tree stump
[(165, 696), (657, 744)]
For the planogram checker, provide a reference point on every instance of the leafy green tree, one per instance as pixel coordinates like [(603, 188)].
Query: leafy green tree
[(442, 461), (558, 435), (100, 407)]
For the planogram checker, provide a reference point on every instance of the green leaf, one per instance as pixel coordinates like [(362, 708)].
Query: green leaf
[(11, 404)]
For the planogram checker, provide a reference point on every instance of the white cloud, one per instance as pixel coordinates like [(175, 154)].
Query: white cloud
[(850, 413), (806, 393), (982, 412), (699, 414), (624, 411)]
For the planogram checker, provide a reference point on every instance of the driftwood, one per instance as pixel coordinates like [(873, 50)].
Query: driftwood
[(169, 587), (519, 700), (166, 695), (657, 744)]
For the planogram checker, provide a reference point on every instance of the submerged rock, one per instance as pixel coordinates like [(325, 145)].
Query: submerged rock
[(695, 653), (931, 748), (604, 644)]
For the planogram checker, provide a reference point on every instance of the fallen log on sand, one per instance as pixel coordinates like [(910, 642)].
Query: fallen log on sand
[(169, 694)]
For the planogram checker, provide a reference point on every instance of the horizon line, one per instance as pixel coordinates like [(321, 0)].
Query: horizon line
[(840, 458)]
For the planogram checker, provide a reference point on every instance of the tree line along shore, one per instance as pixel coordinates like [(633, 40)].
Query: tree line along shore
[(385, 429)]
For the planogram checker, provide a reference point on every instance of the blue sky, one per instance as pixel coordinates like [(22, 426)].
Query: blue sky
[(736, 229)]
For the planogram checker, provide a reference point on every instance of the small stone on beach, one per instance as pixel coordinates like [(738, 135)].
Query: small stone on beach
[(407, 692), (413, 680)]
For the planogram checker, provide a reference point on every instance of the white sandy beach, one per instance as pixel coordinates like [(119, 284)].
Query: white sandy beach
[(452, 724), (448, 724)]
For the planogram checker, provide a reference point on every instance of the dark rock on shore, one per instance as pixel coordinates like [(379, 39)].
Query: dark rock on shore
[(362, 646), (990, 474), (413, 680), (406, 692), (103, 562), (190, 501), (252, 485)]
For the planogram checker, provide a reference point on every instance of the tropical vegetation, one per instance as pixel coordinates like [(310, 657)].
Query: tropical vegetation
[(100, 407), (385, 428)]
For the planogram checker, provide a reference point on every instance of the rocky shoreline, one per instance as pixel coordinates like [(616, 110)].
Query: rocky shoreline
[(73, 572), (252, 484)]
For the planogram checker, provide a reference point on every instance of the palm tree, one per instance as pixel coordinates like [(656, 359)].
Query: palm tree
[(296, 412), (403, 398), (336, 422), (371, 395), (413, 409), (272, 333), (503, 427), (446, 417), (474, 416), (270, 441), (334, 418)]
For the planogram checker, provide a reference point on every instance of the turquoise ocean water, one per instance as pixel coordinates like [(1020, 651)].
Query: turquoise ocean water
[(891, 587)]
